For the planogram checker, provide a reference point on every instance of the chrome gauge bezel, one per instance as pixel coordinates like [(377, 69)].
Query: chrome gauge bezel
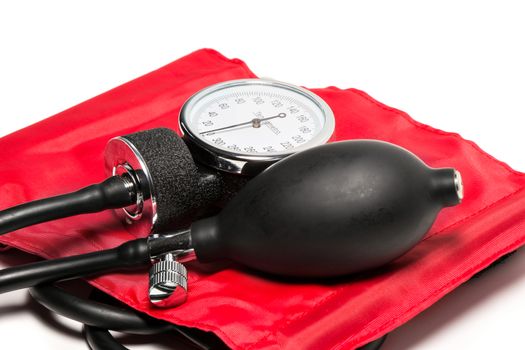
[(246, 164)]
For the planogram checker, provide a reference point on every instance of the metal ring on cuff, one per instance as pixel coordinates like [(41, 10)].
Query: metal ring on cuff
[(121, 156), (133, 212)]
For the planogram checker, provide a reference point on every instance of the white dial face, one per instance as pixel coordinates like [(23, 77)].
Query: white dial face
[(256, 119)]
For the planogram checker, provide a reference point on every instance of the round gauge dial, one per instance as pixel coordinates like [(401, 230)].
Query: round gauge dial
[(255, 119)]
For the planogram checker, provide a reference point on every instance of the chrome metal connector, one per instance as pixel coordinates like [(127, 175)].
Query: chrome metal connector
[(168, 278)]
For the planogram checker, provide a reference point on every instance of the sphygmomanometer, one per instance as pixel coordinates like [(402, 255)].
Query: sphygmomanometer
[(252, 180)]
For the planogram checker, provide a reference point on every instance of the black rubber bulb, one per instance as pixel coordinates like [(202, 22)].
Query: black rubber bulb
[(332, 210)]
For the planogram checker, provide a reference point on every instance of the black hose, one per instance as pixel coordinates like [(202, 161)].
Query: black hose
[(129, 254), (96, 314), (115, 192), (101, 339)]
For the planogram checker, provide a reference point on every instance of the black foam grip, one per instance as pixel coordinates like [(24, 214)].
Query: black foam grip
[(173, 171)]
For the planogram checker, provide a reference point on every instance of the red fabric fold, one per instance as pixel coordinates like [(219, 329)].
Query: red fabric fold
[(64, 152)]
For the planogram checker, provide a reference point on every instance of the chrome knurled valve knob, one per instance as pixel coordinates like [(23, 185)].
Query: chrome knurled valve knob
[(168, 282)]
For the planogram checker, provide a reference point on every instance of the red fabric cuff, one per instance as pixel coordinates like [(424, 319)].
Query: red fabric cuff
[(64, 152)]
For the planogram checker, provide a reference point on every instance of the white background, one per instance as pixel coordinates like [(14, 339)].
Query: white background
[(457, 65)]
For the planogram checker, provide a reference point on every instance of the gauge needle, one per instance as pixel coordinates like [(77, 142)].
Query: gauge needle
[(256, 123)]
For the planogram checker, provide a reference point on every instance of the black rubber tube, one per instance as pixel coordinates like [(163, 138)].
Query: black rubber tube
[(96, 314), (129, 254), (101, 339), (111, 194)]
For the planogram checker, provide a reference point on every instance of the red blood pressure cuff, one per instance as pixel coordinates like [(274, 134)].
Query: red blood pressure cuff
[(65, 152)]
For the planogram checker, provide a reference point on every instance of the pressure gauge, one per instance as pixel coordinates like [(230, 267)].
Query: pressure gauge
[(243, 126)]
